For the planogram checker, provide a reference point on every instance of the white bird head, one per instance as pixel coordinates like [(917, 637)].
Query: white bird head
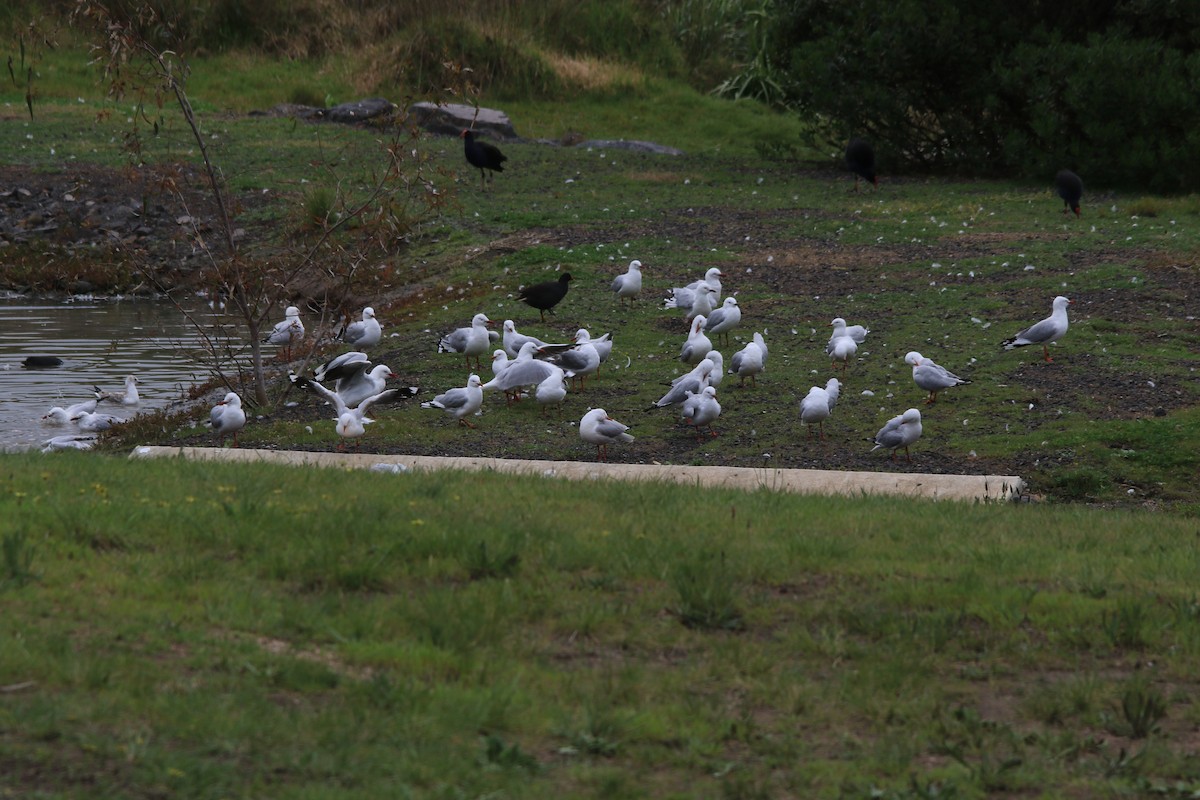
[(368, 313), (914, 358)]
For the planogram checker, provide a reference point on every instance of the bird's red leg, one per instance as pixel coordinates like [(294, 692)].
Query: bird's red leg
[(1046, 351)]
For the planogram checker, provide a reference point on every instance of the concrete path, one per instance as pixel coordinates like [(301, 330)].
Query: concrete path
[(803, 481)]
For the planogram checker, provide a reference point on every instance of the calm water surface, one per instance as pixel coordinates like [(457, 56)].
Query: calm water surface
[(100, 342)]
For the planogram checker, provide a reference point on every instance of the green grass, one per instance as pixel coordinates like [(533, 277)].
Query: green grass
[(316, 633)]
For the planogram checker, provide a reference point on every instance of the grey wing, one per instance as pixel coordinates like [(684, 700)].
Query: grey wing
[(214, 417), (735, 363), (715, 318), (344, 366), (455, 341), (1040, 332), (890, 435), (316, 388), (524, 373), (354, 332), (618, 282), (454, 398), (383, 397), (679, 392), (572, 360), (610, 428)]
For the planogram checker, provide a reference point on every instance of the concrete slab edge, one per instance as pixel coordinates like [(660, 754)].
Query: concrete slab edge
[(801, 481)]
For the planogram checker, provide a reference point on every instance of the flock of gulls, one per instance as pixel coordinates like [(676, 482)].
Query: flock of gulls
[(525, 366)]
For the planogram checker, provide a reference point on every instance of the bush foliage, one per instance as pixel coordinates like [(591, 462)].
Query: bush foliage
[(1103, 88)]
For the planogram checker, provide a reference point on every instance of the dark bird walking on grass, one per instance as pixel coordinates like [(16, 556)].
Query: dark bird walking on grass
[(482, 155), (860, 159), (1069, 187), (546, 295)]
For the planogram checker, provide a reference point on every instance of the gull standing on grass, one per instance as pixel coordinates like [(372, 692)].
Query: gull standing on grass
[(724, 319), (460, 402), (697, 345), (469, 341), (900, 431), (817, 406), (701, 410), (581, 360), (691, 383), (524, 371), (366, 333), (931, 377), (1046, 332), (350, 422), (841, 347), (629, 285), (750, 361), (227, 417), (600, 429), (684, 296)]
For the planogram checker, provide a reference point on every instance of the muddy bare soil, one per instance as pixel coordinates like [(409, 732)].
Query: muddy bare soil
[(157, 212)]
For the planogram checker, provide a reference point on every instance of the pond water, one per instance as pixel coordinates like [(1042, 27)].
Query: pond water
[(100, 342)]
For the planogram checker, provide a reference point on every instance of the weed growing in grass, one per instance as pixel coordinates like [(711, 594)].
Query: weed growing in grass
[(990, 751), (502, 562), (317, 209), (707, 592), (498, 755), (1142, 708), (1123, 626), (18, 560)]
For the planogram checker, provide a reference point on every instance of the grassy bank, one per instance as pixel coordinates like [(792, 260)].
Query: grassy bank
[(310, 633)]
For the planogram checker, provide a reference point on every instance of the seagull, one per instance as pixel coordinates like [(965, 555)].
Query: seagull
[(841, 348), (90, 422), (61, 416), (600, 429), (856, 332), (472, 341), (513, 340), (930, 376), (227, 417), (899, 432), (551, 391), (581, 360), (351, 421), (724, 319), (703, 302), (682, 297), (460, 402), (287, 332), (1051, 329), (748, 362), (525, 370), (483, 155), (604, 346), (356, 377), (128, 398), (817, 405), (702, 409), (697, 345), (366, 333), (693, 382), (629, 284), (68, 443)]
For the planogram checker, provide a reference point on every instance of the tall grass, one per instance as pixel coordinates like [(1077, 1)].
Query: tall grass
[(207, 628)]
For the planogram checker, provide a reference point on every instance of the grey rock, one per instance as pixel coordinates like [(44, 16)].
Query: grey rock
[(359, 110), (451, 119)]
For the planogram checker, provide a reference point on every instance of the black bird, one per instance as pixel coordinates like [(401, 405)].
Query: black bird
[(545, 296), (860, 159), (1069, 187), (41, 362), (482, 155)]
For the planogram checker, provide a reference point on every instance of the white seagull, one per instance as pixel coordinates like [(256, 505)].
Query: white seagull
[(525, 370), (683, 296), (351, 422), (470, 341), (68, 443), (600, 429), (899, 432), (356, 377), (57, 415), (513, 340), (287, 332), (91, 423), (460, 402), (1049, 330), (630, 284), (128, 398), (691, 383), (227, 417), (366, 333), (817, 405), (841, 348), (581, 360), (551, 391), (856, 332), (702, 409), (749, 362), (931, 377), (724, 319), (697, 345)]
